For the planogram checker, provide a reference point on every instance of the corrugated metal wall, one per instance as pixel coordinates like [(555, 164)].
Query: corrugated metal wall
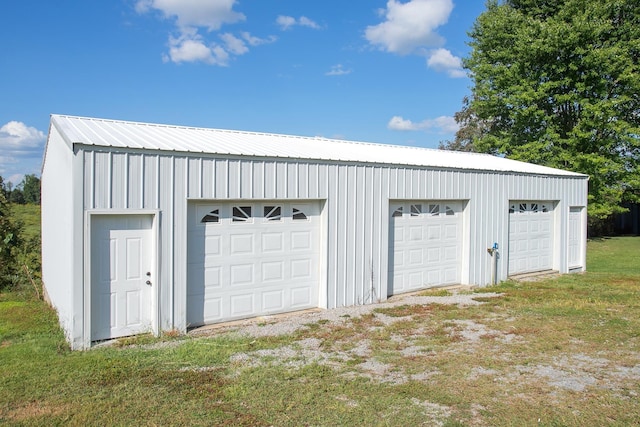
[(356, 209)]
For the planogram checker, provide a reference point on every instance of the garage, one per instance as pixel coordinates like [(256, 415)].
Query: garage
[(232, 224), (530, 236), (426, 242), (250, 259)]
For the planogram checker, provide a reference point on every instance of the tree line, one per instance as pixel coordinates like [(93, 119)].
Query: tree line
[(27, 191), (20, 263)]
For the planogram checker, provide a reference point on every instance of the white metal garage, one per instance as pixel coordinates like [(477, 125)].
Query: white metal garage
[(426, 244), (250, 259), (530, 237), (156, 227)]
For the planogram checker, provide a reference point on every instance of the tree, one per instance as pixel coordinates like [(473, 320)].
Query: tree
[(9, 242), (557, 82), (31, 189)]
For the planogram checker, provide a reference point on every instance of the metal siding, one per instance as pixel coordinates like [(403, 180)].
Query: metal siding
[(234, 179), (119, 180), (208, 183), (246, 180), (166, 200), (333, 237), (221, 179), (194, 180), (269, 178), (135, 191), (102, 180), (150, 181), (89, 184), (59, 253), (258, 180), (179, 207), (357, 199)]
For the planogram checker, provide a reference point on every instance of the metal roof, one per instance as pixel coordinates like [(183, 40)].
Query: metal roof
[(124, 134)]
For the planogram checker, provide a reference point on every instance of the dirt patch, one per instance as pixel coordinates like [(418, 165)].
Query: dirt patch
[(578, 372), (34, 410), (281, 325)]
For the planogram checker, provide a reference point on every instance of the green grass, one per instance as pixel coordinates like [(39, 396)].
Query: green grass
[(29, 216), (615, 255), (583, 329)]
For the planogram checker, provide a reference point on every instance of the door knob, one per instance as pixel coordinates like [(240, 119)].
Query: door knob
[(148, 282)]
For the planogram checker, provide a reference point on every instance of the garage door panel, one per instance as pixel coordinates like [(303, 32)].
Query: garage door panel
[(301, 296), (451, 232), (272, 242), (242, 304), (273, 300), (252, 265), (434, 232), (415, 233), (242, 274), (212, 308), (416, 257), (301, 240), (212, 277), (450, 253), (301, 269), (241, 244), (430, 251), (433, 255), (272, 271)]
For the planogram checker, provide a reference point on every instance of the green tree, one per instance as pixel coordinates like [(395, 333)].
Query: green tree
[(9, 243), (31, 189), (557, 82), (16, 196)]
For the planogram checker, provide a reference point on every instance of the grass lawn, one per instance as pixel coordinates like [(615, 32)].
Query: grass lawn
[(563, 351), (29, 216)]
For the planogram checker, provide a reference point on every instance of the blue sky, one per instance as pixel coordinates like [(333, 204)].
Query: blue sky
[(374, 70)]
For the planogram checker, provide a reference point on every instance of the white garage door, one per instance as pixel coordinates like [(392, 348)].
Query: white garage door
[(425, 244), (530, 237), (251, 259)]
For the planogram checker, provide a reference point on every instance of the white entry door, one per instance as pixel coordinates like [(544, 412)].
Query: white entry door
[(425, 244), (121, 275), (530, 237), (249, 259), (575, 237)]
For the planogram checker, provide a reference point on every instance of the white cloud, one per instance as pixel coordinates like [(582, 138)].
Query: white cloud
[(193, 18), (442, 124), (20, 150), (410, 26), (16, 136), (191, 47), (287, 22), (257, 41), (233, 44), (444, 61), (210, 14), (337, 70)]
